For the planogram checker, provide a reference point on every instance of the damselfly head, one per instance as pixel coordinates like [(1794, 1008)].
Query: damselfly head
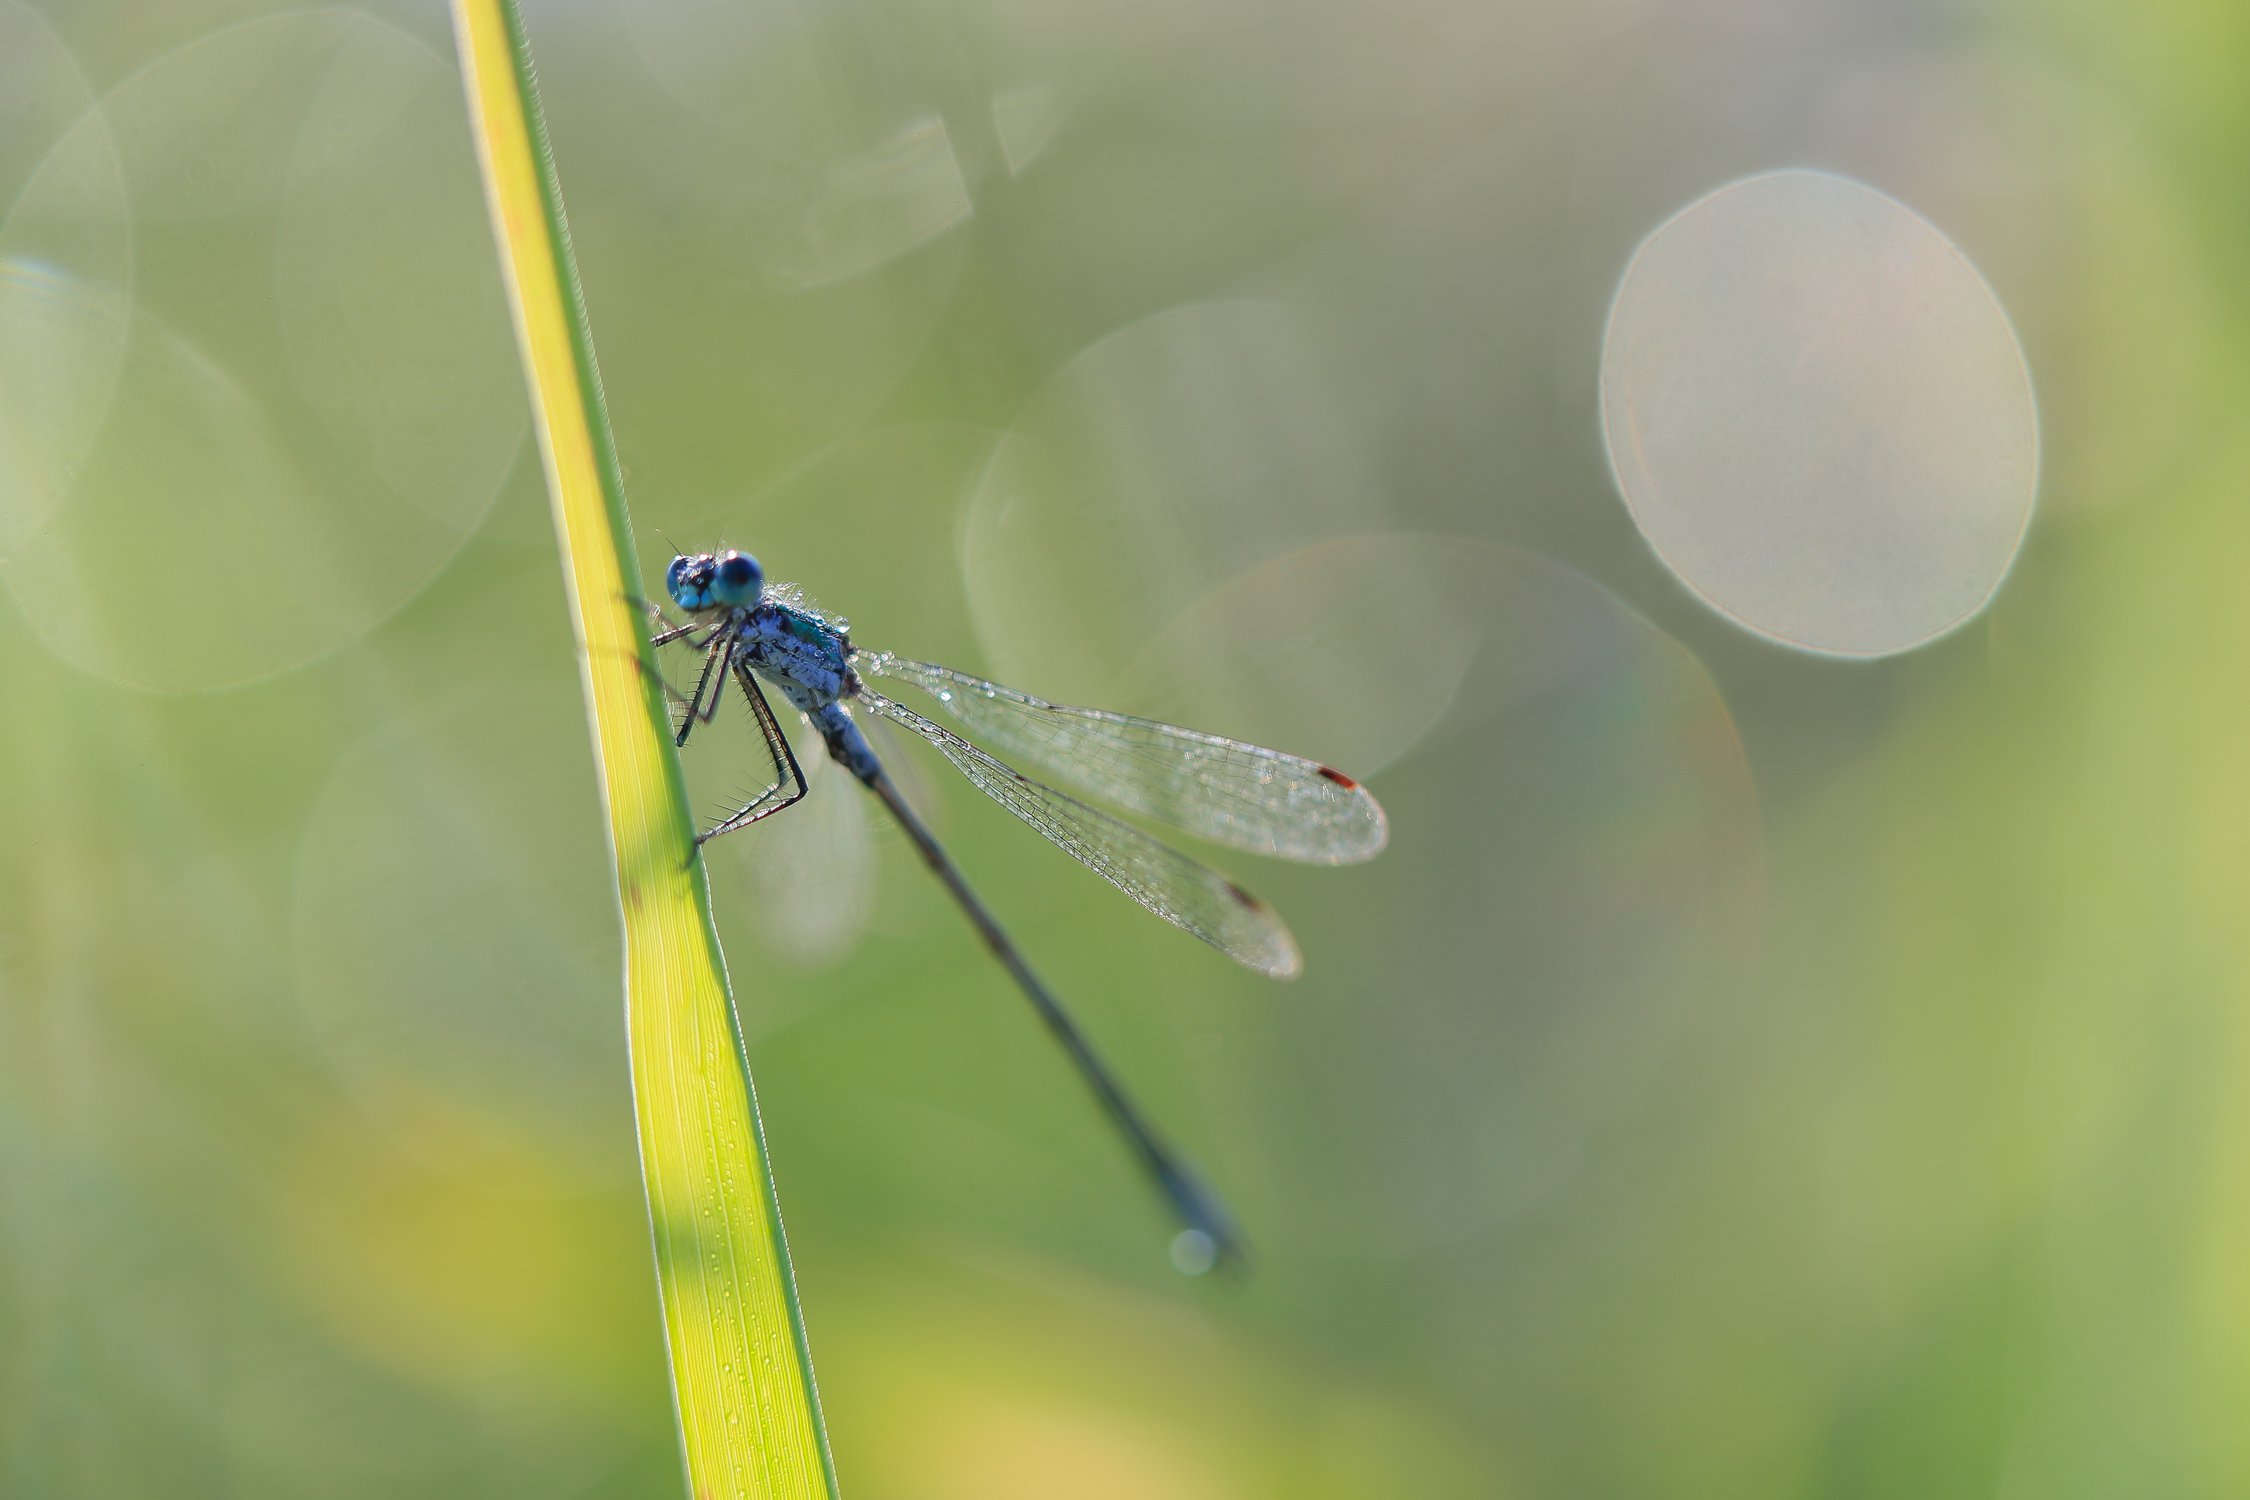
[(724, 580)]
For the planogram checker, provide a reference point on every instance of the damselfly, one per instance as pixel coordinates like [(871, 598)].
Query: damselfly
[(1219, 789)]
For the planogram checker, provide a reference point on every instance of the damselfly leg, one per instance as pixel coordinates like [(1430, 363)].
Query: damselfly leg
[(789, 778), (703, 703)]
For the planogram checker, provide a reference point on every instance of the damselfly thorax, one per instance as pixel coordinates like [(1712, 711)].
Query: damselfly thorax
[(799, 654)]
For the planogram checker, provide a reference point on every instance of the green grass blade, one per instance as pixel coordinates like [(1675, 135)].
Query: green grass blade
[(741, 1368)]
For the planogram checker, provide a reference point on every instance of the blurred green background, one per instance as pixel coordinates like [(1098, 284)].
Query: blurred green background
[(1747, 1073)]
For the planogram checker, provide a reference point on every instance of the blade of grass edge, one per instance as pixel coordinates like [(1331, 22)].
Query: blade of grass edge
[(742, 1375)]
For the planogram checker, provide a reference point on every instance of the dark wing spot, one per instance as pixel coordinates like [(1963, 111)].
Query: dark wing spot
[(1339, 778), (1243, 896)]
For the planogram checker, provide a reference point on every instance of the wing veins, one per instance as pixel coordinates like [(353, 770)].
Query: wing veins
[(1182, 890), (1243, 795)]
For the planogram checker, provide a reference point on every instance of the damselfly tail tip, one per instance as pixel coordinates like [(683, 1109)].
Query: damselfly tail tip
[(1208, 1241), (1194, 1252), (1215, 1250)]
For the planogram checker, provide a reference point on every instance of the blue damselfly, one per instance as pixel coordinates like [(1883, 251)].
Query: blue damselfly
[(1231, 793)]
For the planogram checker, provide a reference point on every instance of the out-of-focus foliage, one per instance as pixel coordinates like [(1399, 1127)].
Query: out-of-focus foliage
[(1745, 1073)]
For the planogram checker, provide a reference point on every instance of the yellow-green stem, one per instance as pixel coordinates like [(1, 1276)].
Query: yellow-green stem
[(741, 1368)]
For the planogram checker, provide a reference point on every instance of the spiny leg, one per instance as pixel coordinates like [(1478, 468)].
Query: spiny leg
[(706, 683), (678, 700), (666, 637), (1195, 1206), (787, 773), (672, 695), (667, 631)]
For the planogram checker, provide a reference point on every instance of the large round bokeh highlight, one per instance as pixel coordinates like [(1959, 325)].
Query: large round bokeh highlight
[(253, 292), (1819, 415)]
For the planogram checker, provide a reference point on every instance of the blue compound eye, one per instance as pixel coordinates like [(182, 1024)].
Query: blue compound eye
[(738, 581), (688, 590)]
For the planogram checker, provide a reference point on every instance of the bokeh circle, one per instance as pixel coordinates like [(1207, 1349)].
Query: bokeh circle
[(1819, 415), (288, 389)]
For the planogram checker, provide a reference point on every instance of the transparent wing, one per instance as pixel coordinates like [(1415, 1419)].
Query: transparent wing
[(1215, 788), (1182, 891)]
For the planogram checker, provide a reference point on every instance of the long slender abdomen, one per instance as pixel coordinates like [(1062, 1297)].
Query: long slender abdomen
[(847, 745)]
